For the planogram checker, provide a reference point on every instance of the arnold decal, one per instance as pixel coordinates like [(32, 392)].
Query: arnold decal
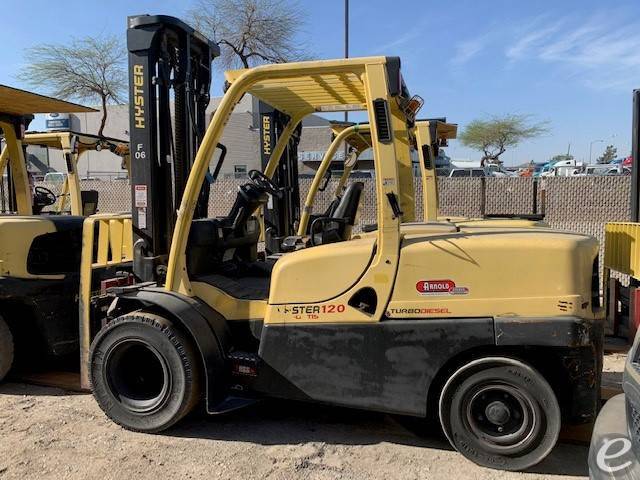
[(440, 287)]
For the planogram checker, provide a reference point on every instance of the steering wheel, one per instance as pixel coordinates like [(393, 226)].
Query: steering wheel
[(261, 180), (44, 196)]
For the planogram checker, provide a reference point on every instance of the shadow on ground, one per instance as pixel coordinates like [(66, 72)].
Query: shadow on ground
[(285, 422), (274, 422), (19, 388)]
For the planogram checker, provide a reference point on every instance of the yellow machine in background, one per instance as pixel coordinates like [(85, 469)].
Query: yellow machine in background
[(483, 327), (40, 251), (36, 251), (74, 146), (428, 136)]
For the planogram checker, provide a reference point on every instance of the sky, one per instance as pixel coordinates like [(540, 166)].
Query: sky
[(573, 64)]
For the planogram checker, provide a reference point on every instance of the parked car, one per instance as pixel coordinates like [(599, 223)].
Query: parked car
[(615, 442), (606, 169), (491, 170), (467, 172), (563, 168), (55, 177)]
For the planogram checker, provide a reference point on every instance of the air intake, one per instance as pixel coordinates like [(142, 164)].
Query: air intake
[(383, 128), (426, 154)]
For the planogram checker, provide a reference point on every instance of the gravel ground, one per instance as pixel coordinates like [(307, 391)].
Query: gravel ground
[(47, 433)]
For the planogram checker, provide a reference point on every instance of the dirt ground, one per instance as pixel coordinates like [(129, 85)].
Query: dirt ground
[(47, 433)]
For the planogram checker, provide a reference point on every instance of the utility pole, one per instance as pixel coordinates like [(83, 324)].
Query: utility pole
[(346, 55), (591, 147), (346, 39)]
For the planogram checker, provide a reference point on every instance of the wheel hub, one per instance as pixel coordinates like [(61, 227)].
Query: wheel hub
[(498, 413), (501, 417), (137, 375)]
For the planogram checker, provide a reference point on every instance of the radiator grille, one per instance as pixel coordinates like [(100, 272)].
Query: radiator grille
[(381, 110)]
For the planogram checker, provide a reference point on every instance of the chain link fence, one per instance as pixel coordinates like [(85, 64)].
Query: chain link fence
[(566, 202), (580, 204)]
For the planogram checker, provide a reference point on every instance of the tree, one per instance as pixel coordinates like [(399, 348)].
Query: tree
[(251, 32), (610, 153), (494, 135), (562, 157), (89, 69)]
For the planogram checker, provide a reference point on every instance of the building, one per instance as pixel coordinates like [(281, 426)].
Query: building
[(241, 137)]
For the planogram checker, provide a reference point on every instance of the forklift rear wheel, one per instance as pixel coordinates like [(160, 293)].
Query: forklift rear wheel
[(6, 349), (145, 374), (500, 413)]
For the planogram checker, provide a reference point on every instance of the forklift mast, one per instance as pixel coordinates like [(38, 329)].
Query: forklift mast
[(281, 214), (20, 125), (169, 83), (635, 152)]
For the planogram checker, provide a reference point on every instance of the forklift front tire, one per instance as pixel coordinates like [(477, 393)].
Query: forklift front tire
[(500, 413), (6, 349), (145, 373)]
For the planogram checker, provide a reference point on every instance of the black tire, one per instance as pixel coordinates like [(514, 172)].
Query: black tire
[(145, 373), (500, 413), (6, 349)]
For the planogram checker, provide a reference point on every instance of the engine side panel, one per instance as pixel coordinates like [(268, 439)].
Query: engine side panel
[(320, 273), (495, 272), (386, 366), (49, 306)]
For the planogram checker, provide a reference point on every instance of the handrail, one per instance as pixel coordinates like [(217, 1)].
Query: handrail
[(113, 246), (622, 248)]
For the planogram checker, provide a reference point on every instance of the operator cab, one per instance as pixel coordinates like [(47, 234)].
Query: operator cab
[(224, 250), (334, 225)]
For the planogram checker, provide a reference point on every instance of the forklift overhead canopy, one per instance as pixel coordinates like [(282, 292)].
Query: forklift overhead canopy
[(339, 89), (445, 131), (361, 137), (14, 101), (83, 141)]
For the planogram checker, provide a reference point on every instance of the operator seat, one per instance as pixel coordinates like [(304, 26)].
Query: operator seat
[(334, 227), (345, 213), (89, 200), (222, 251)]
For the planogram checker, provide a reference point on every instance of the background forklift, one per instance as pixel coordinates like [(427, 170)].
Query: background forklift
[(39, 254), (74, 146), (427, 136), (414, 323), (617, 423)]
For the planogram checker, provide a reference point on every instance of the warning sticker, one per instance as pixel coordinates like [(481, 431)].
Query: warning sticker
[(142, 218), (140, 196), (440, 287)]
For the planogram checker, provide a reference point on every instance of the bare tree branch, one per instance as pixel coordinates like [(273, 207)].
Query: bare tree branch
[(89, 69), (251, 32)]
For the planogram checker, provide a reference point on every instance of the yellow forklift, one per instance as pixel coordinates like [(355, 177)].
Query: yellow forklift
[(39, 253), (428, 136), (438, 321), (615, 443), (74, 146)]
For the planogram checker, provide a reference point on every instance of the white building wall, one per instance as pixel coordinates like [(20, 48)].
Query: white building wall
[(241, 136)]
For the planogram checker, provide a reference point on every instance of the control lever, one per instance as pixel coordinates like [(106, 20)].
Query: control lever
[(395, 206)]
